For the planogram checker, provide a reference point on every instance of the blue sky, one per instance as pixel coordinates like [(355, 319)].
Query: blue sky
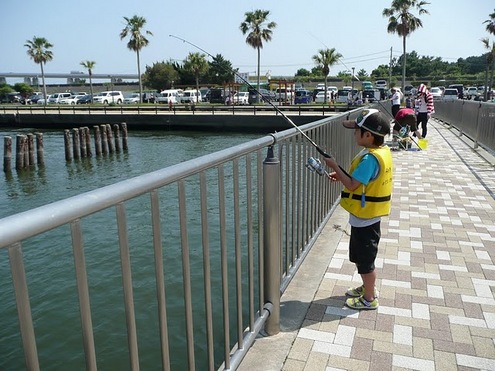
[(89, 30)]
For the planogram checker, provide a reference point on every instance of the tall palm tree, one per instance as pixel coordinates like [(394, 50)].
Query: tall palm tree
[(40, 53), (137, 40), (490, 60), (402, 22), (197, 64), (326, 58), (490, 23), (89, 65), (254, 25)]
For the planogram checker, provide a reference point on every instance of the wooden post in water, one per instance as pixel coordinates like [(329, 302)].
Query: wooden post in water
[(75, 144), (82, 142), (25, 150), (30, 144), (87, 136), (104, 140), (124, 137), (111, 147), (67, 145), (97, 132), (40, 148), (7, 154), (19, 151), (116, 134)]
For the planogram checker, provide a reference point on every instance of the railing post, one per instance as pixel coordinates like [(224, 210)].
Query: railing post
[(272, 239)]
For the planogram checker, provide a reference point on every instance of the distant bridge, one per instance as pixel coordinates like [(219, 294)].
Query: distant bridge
[(72, 77)]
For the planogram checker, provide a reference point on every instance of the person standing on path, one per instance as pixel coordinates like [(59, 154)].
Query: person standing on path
[(367, 197), (424, 108), (395, 99)]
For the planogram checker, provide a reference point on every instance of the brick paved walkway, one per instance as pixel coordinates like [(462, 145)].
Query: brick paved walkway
[(436, 277)]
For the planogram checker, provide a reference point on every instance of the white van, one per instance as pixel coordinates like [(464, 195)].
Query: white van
[(170, 95), (191, 96), (57, 97)]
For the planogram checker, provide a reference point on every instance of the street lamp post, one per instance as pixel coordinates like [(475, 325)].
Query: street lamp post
[(352, 84)]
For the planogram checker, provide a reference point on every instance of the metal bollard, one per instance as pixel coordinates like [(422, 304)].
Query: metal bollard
[(272, 239)]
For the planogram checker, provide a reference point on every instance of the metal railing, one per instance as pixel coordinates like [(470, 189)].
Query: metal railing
[(238, 221), (473, 119)]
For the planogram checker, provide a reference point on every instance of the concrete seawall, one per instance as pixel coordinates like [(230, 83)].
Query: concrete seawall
[(256, 122)]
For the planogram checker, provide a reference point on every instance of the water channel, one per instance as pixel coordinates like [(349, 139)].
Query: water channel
[(49, 262)]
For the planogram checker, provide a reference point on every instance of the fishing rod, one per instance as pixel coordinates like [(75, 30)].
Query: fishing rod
[(266, 99)]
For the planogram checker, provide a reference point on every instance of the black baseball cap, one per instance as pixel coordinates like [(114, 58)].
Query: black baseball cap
[(372, 120)]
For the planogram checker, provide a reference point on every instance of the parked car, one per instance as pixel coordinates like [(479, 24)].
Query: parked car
[(71, 100), (242, 98), (14, 97), (460, 90), (149, 96), (471, 92), (450, 94), (42, 100), (436, 92), (169, 95), (372, 95), (303, 96), (367, 85), (85, 99), (191, 96), (381, 84), (57, 97), (107, 97), (34, 98), (320, 97), (133, 98)]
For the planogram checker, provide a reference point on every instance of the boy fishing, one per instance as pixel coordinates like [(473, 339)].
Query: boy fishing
[(367, 197)]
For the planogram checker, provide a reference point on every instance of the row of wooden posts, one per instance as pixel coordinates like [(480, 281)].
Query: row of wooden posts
[(107, 141), (77, 146), (24, 151)]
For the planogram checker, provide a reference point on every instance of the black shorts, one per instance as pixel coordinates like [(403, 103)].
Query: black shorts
[(363, 247)]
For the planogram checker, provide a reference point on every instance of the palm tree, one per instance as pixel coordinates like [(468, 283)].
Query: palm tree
[(490, 60), (254, 23), (89, 65), (325, 59), (490, 27), (137, 40), (197, 64), (38, 50), (402, 22)]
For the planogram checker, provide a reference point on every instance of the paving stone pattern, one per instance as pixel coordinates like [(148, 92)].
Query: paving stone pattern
[(436, 277)]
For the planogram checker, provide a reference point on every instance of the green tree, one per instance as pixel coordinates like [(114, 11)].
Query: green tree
[(40, 53), (402, 22), (254, 25), (89, 65), (196, 64), (23, 88), (137, 40), (303, 72), (326, 58), (160, 76), (220, 71), (490, 23)]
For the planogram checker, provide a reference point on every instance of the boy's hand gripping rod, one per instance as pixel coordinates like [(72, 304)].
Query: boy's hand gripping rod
[(320, 151)]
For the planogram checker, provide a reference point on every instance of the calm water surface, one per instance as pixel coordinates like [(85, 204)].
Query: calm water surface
[(49, 261)]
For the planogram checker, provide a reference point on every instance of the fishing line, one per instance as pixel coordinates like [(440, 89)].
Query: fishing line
[(320, 151)]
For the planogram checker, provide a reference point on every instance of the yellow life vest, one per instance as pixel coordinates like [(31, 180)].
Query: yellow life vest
[(375, 199)]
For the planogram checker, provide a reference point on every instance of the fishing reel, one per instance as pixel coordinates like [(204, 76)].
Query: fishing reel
[(315, 166)]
